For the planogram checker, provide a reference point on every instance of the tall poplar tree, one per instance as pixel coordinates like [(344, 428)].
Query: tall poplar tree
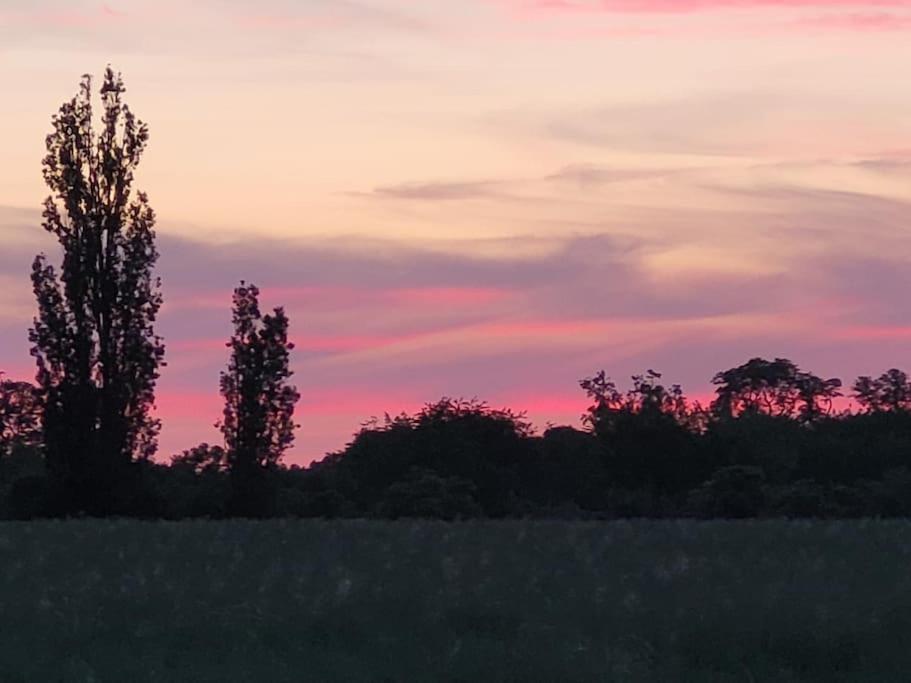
[(97, 353), (258, 423)]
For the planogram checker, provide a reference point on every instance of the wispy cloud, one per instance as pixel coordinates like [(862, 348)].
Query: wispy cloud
[(228, 27), (589, 19), (772, 122), (439, 191), (865, 22), (51, 15), (689, 6), (587, 175), (325, 14)]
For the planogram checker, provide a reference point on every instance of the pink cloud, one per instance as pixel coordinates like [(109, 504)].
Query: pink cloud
[(546, 328), (539, 17), (342, 343), (687, 6), (337, 343), (875, 332), (348, 295), (327, 15), (900, 154), (450, 296), (314, 402), (101, 15), (872, 22), (278, 22), (469, 339), (109, 11)]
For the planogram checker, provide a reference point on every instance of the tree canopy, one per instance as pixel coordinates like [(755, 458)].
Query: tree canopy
[(258, 422), (94, 341)]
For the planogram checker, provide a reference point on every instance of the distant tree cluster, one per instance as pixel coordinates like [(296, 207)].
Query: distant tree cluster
[(80, 440), (770, 444), (20, 417), (755, 451)]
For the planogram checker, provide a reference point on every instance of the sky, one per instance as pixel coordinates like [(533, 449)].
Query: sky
[(489, 198)]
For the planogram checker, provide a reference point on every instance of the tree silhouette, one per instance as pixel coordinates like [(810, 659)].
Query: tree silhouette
[(258, 423), (202, 459), (648, 399), (93, 338), (890, 392), (777, 388), (646, 434), (20, 416), (458, 440)]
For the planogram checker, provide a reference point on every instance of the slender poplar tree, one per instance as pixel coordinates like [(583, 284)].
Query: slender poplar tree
[(258, 423), (97, 353)]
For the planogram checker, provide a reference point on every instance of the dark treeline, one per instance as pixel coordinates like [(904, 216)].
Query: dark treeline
[(770, 444), (81, 439)]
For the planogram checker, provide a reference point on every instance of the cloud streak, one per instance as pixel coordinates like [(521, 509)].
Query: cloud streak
[(439, 191), (169, 27), (863, 22), (690, 6), (593, 19)]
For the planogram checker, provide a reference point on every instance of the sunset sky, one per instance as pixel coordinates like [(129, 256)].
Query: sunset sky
[(490, 198)]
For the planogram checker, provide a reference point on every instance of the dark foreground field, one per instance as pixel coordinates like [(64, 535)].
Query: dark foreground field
[(518, 601)]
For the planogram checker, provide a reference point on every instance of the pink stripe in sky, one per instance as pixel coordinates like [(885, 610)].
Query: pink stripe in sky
[(686, 6), (345, 295), (314, 403), (872, 22), (875, 332), (359, 342)]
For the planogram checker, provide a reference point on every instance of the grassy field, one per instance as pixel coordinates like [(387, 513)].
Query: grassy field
[(422, 601)]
